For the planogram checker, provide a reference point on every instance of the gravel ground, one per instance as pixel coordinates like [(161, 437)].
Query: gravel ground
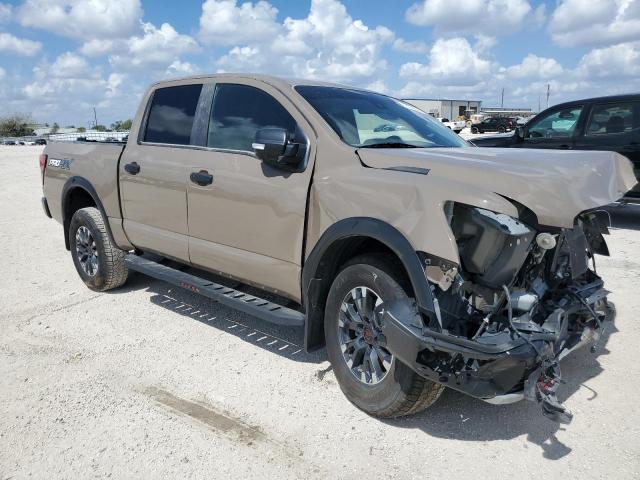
[(152, 382)]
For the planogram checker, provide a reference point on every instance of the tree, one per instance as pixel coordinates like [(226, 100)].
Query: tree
[(100, 128), (81, 129), (55, 127), (120, 126), (16, 125)]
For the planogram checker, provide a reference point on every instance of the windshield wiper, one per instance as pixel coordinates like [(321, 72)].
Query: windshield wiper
[(390, 145)]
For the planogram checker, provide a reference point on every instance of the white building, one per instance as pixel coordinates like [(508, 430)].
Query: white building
[(450, 109)]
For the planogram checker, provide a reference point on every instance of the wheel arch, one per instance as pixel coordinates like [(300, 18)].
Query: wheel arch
[(77, 193), (342, 241)]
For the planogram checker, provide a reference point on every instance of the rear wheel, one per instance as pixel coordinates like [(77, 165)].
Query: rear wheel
[(474, 130), (501, 129), (369, 374), (98, 261)]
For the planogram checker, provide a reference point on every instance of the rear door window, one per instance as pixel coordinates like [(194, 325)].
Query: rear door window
[(610, 118), (171, 114), (239, 111)]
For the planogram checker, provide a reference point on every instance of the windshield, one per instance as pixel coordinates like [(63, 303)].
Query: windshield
[(365, 119)]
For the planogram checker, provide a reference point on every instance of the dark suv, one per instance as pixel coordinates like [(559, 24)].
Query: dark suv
[(604, 123), (493, 124)]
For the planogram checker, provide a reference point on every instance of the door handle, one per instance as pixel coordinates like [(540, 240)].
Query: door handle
[(201, 178), (132, 168)]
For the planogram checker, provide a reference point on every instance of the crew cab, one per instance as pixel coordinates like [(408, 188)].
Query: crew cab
[(604, 123), (420, 261)]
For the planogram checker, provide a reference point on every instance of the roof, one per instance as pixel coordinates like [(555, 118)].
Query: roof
[(440, 100), (270, 79), (608, 98)]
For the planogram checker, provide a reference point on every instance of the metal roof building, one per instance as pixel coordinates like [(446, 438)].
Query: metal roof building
[(450, 109)]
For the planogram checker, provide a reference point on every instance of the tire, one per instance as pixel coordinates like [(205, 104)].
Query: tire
[(501, 130), (474, 130), (400, 391), (88, 239)]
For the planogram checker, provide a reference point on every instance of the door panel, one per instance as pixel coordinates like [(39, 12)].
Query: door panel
[(249, 222), (153, 173)]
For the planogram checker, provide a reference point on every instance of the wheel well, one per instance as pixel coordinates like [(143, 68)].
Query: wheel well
[(334, 257), (76, 199)]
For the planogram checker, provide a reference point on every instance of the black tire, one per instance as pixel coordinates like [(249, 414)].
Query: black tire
[(501, 130), (401, 391), (111, 271), (474, 130)]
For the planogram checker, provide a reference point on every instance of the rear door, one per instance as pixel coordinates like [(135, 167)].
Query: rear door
[(248, 221), (557, 129), (153, 172), (615, 126)]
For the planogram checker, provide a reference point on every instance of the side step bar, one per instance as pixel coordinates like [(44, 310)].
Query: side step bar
[(258, 307)]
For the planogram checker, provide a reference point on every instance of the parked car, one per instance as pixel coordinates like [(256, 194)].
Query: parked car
[(456, 126), (493, 124), (603, 123), (40, 141), (9, 142), (420, 261)]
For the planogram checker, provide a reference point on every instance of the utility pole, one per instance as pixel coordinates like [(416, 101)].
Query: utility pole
[(95, 118), (502, 99), (548, 90)]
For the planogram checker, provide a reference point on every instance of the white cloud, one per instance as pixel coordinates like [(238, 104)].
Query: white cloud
[(616, 62), (402, 45), (224, 22), (472, 17), (533, 66), (96, 47), (82, 19), (19, 46), (69, 65), (6, 10), (328, 43), (595, 22), (3, 72), (451, 61), (156, 47), (178, 68)]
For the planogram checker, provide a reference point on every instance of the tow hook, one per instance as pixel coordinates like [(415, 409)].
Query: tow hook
[(542, 386)]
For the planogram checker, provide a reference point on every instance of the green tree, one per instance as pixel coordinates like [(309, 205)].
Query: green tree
[(55, 127), (120, 125), (81, 130), (100, 128), (16, 125)]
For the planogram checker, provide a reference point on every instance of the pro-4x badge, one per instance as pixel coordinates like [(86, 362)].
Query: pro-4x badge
[(63, 164)]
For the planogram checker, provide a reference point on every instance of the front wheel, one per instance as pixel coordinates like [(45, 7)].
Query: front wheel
[(98, 261), (369, 375), (474, 130), (501, 130)]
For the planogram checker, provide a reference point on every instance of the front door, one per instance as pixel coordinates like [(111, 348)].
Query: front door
[(247, 219), (556, 129), (153, 173)]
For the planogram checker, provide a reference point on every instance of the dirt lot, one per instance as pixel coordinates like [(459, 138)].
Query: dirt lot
[(153, 382)]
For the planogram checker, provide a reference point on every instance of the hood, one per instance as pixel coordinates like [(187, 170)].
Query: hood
[(555, 184)]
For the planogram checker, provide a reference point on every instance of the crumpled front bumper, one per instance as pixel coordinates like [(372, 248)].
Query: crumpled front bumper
[(494, 367)]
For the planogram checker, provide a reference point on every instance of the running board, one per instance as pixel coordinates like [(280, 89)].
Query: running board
[(258, 307)]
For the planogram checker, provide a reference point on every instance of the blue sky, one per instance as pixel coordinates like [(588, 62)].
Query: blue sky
[(61, 58)]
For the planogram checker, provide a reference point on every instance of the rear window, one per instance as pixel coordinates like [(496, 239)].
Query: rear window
[(614, 118), (171, 114)]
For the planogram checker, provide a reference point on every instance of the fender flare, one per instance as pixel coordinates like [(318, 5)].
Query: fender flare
[(314, 286), (83, 184)]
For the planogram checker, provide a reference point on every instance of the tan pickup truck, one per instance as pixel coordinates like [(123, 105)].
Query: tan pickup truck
[(421, 261)]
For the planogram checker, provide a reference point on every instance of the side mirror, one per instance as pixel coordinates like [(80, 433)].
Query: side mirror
[(521, 133), (272, 146)]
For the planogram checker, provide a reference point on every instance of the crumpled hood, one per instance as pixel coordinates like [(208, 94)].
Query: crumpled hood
[(555, 184)]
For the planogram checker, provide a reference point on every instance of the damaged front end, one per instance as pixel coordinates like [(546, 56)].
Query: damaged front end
[(522, 298)]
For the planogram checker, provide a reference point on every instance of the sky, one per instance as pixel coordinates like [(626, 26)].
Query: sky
[(59, 59)]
